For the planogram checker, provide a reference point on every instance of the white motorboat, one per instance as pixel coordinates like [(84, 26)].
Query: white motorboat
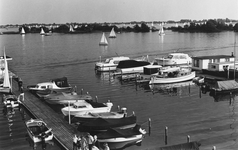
[(131, 66), (54, 84), (38, 130), (110, 64), (173, 75), (65, 98), (86, 106), (11, 99), (148, 72), (174, 59), (121, 138)]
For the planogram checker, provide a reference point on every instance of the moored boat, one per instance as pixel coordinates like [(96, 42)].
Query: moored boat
[(103, 124), (110, 64), (148, 72), (131, 66), (173, 75), (174, 59), (103, 41), (65, 98), (11, 100), (38, 130), (85, 106), (121, 138), (54, 84)]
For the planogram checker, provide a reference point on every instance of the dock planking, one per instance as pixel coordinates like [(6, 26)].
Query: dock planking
[(63, 132)]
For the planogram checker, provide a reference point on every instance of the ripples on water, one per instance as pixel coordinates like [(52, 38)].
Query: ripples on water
[(39, 59)]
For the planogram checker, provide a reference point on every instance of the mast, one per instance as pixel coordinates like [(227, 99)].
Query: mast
[(235, 58)]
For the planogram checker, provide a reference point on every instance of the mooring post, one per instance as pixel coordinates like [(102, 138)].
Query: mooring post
[(75, 88), (188, 139), (69, 111), (96, 98), (200, 92), (87, 93), (230, 97), (189, 89), (118, 107), (166, 135), (81, 91), (214, 148), (149, 121)]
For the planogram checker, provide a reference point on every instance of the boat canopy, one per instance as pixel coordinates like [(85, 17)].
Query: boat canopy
[(225, 85), (132, 63), (61, 82)]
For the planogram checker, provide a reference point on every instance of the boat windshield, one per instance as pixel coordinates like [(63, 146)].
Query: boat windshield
[(107, 60), (170, 56)]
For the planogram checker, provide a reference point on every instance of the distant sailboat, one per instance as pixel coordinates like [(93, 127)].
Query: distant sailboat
[(42, 32), (71, 29), (6, 88), (161, 31), (22, 31), (103, 40), (112, 34)]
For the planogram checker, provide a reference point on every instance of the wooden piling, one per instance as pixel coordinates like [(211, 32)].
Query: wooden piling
[(81, 91), (96, 98), (149, 122), (200, 92), (69, 112), (188, 139), (230, 97), (214, 148), (166, 135), (118, 107)]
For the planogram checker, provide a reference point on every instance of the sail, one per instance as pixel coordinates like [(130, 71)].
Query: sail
[(71, 29), (42, 32), (6, 81), (22, 30), (112, 34), (103, 40), (161, 31)]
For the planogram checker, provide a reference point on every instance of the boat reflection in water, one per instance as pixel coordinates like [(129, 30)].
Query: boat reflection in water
[(225, 97), (174, 89)]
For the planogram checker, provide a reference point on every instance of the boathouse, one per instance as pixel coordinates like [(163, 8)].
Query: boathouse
[(214, 62)]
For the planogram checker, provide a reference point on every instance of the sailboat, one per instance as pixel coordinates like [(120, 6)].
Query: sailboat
[(22, 31), (6, 88), (42, 32), (71, 29), (161, 31), (112, 34), (103, 41)]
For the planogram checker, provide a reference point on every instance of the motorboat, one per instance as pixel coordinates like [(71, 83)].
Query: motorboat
[(11, 99), (57, 84), (131, 66), (121, 138), (110, 64), (174, 59), (85, 106), (38, 130), (105, 115), (65, 98), (48, 92), (172, 74), (103, 124)]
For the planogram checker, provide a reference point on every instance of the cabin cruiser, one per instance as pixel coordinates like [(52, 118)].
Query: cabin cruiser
[(85, 106), (38, 130), (172, 74), (110, 64), (174, 59), (58, 84)]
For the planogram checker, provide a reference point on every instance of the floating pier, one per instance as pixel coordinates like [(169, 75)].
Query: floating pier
[(63, 132)]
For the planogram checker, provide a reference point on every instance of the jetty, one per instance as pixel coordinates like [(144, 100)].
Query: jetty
[(63, 131)]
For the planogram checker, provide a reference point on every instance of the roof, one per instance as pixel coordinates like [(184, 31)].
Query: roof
[(213, 57), (226, 85)]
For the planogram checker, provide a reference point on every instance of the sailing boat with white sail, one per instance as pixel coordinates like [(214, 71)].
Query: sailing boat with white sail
[(42, 32), (22, 31), (161, 31), (71, 29), (6, 88), (103, 41), (112, 34)]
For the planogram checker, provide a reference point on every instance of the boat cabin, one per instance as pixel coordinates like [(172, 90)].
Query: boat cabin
[(203, 62), (116, 60), (152, 69), (174, 59)]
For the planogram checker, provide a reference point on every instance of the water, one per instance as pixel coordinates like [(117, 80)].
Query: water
[(39, 59)]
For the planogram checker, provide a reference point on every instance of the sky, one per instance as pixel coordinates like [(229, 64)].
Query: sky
[(90, 11)]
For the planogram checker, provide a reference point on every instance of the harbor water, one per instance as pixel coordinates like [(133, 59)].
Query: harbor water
[(39, 58)]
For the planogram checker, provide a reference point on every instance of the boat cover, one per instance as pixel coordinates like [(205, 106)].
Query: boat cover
[(115, 133), (131, 63), (95, 104), (184, 146), (225, 85), (106, 123)]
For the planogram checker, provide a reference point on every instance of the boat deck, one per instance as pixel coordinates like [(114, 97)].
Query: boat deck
[(63, 132)]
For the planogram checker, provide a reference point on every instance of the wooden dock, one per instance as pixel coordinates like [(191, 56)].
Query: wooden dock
[(63, 131)]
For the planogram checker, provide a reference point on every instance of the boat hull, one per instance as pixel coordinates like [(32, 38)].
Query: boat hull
[(157, 80), (121, 142)]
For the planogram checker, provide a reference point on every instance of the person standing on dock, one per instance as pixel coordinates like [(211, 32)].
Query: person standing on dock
[(90, 141), (106, 147), (20, 83), (75, 139)]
